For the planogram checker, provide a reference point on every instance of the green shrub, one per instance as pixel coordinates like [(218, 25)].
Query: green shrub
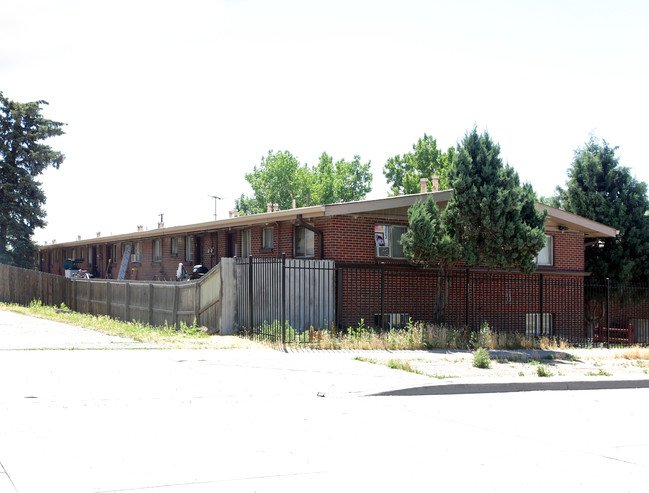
[(481, 359), (543, 371)]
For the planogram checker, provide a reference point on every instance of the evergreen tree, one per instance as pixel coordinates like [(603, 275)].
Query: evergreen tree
[(490, 214), (429, 242), (490, 219), (22, 158), (601, 190)]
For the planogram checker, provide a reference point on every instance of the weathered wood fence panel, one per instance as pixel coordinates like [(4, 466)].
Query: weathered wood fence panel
[(22, 286), (210, 299), (155, 303)]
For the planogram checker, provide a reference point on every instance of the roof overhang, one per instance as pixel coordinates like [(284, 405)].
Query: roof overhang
[(233, 222), (391, 207), (564, 221)]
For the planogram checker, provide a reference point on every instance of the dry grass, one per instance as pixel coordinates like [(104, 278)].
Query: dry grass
[(443, 337), (635, 353), (423, 336), (410, 339)]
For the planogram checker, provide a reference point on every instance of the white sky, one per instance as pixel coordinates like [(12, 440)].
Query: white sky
[(167, 103)]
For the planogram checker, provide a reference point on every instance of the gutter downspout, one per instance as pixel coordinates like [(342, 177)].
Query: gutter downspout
[(300, 222)]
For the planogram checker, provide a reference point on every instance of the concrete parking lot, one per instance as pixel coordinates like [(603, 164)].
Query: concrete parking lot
[(83, 412)]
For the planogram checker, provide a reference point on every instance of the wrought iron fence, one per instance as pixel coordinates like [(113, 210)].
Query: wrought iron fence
[(287, 300), (282, 299)]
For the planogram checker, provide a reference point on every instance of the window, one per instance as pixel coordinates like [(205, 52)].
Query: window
[(304, 241), (533, 324), (267, 238), (174, 246), (189, 248), (245, 243), (387, 241), (546, 255), (157, 250), (137, 254)]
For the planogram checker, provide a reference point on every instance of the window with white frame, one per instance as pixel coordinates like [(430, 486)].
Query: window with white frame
[(174, 246), (304, 242), (157, 250), (267, 238), (137, 252), (245, 243), (546, 255), (189, 248), (387, 241)]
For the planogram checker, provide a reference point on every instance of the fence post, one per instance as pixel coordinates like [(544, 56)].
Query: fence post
[(150, 304), (197, 302), (382, 296), (127, 302), (541, 304), (608, 317), (174, 306), (339, 296), (250, 294), (283, 307), (108, 300), (468, 297)]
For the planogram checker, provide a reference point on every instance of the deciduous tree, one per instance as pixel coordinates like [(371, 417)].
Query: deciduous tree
[(281, 178), (23, 157), (404, 173)]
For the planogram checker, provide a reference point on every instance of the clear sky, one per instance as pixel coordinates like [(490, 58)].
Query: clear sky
[(167, 103)]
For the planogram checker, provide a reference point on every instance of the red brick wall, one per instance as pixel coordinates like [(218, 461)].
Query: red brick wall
[(346, 239)]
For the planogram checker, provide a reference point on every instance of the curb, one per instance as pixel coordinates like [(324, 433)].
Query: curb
[(502, 387)]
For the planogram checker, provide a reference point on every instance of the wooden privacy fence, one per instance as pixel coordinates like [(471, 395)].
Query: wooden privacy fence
[(22, 286), (154, 303)]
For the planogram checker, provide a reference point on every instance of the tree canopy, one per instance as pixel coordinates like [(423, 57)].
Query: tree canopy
[(404, 173), (23, 157), (280, 179), (601, 190), (491, 219), (491, 215)]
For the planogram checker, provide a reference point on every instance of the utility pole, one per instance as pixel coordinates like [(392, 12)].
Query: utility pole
[(215, 202)]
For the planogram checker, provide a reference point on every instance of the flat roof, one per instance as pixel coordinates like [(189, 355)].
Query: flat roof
[(396, 207)]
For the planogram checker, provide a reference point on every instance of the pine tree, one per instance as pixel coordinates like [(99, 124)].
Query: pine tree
[(601, 190), (490, 219), (22, 158), (490, 214)]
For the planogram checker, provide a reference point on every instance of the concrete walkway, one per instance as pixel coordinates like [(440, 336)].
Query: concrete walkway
[(262, 420)]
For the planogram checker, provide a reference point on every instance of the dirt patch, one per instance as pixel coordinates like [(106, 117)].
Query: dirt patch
[(515, 364)]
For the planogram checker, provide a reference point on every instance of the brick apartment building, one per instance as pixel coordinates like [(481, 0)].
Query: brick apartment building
[(366, 231)]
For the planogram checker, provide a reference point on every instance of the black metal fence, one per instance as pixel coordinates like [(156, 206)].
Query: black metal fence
[(284, 300), (289, 300)]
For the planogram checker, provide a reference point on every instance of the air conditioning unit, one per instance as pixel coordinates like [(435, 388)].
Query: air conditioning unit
[(135, 258), (382, 241)]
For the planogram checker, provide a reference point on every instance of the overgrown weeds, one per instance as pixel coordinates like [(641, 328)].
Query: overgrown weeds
[(183, 336), (415, 336), (635, 352), (481, 359)]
